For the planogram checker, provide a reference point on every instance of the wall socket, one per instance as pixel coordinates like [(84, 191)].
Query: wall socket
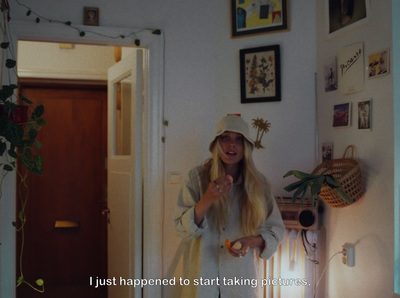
[(349, 254)]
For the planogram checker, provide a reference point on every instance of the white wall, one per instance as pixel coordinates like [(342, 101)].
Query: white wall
[(368, 223)]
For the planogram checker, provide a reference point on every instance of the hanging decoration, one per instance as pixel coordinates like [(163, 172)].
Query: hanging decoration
[(262, 127)]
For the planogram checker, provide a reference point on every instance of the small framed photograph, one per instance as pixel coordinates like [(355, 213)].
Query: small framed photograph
[(378, 64), (326, 151), (344, 15), (260, 74), (91, 16), (258, 16), (342, 115), (330, 74), (364, 114)]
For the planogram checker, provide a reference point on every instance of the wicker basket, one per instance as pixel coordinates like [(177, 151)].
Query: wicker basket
[(348, 172)]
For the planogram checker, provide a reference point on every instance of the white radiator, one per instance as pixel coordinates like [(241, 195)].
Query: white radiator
[(291, 272)]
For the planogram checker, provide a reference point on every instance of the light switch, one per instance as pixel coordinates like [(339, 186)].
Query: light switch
[(174, 177)]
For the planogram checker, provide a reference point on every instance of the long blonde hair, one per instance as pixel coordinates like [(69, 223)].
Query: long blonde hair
[(253, 200)]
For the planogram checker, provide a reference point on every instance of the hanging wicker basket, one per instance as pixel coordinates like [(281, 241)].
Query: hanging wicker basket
[(348, 172)]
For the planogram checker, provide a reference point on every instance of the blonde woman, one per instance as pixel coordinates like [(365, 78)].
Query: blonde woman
[(227, 198)]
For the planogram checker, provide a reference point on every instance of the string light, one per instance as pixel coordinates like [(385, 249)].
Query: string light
[(82, 33)]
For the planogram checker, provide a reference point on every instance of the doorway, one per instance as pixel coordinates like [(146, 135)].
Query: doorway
[(153, 134)]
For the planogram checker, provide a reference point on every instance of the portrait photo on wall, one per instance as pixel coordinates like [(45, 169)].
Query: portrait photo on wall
[(258, 16), (330, 74), (342, 115), (378, 64), (344, 15), (364, 114)]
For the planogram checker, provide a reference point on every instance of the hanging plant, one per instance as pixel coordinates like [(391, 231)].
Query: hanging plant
[(315, 183), (20, 122)]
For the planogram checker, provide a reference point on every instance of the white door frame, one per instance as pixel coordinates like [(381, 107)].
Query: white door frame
[(152, 130)]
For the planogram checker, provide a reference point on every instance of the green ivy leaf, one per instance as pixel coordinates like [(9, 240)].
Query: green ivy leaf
[(28, 13), (10, 63), (8, 168), (5, 45), (24, 99), (38, 145), (39, 110), (137, 42), (82, 33), (41, 121), (156, 32), (40, 282), (20, 280)]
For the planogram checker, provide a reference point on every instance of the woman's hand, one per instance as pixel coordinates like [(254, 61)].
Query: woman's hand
[(219, 187), (215, 190), (246, 244)]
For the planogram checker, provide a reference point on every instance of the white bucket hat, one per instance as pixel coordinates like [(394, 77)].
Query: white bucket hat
[(235, 124)]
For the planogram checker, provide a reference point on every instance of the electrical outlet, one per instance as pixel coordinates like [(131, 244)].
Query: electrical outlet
[(349, 254)]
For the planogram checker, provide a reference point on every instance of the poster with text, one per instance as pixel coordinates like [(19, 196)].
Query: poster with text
[(351, 69)]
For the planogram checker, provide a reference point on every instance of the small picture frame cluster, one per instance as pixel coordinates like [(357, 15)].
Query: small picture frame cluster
[(260, 74), (91, 16), (342, 114)]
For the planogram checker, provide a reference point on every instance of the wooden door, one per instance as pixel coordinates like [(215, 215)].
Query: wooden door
[(72, 188)]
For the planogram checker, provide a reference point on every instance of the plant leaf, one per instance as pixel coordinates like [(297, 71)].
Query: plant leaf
[(342, 193), (20, 280), (39, 110), (41, 121), (5, 45), (293, 186), (40, 282), (8, 168), (24, 99)]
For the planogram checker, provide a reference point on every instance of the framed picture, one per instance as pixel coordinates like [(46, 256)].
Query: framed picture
[(91, 16), (330, 74), (378, 64), (258, 16), (260, 74), (351, 68), (344, 15), (364, 114), (326, 151), (342, 115)]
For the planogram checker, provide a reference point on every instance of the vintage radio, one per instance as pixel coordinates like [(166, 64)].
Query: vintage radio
[(303, 216)]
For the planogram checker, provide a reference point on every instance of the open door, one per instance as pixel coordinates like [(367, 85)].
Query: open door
[(125, 98)]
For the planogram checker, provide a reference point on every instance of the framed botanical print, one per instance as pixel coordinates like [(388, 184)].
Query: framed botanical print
[(260, 74)]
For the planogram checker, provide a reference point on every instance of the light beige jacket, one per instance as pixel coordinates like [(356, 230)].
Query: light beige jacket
[(211, 270)]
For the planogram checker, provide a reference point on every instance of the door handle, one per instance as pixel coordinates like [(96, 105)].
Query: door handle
[(106, 212)]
